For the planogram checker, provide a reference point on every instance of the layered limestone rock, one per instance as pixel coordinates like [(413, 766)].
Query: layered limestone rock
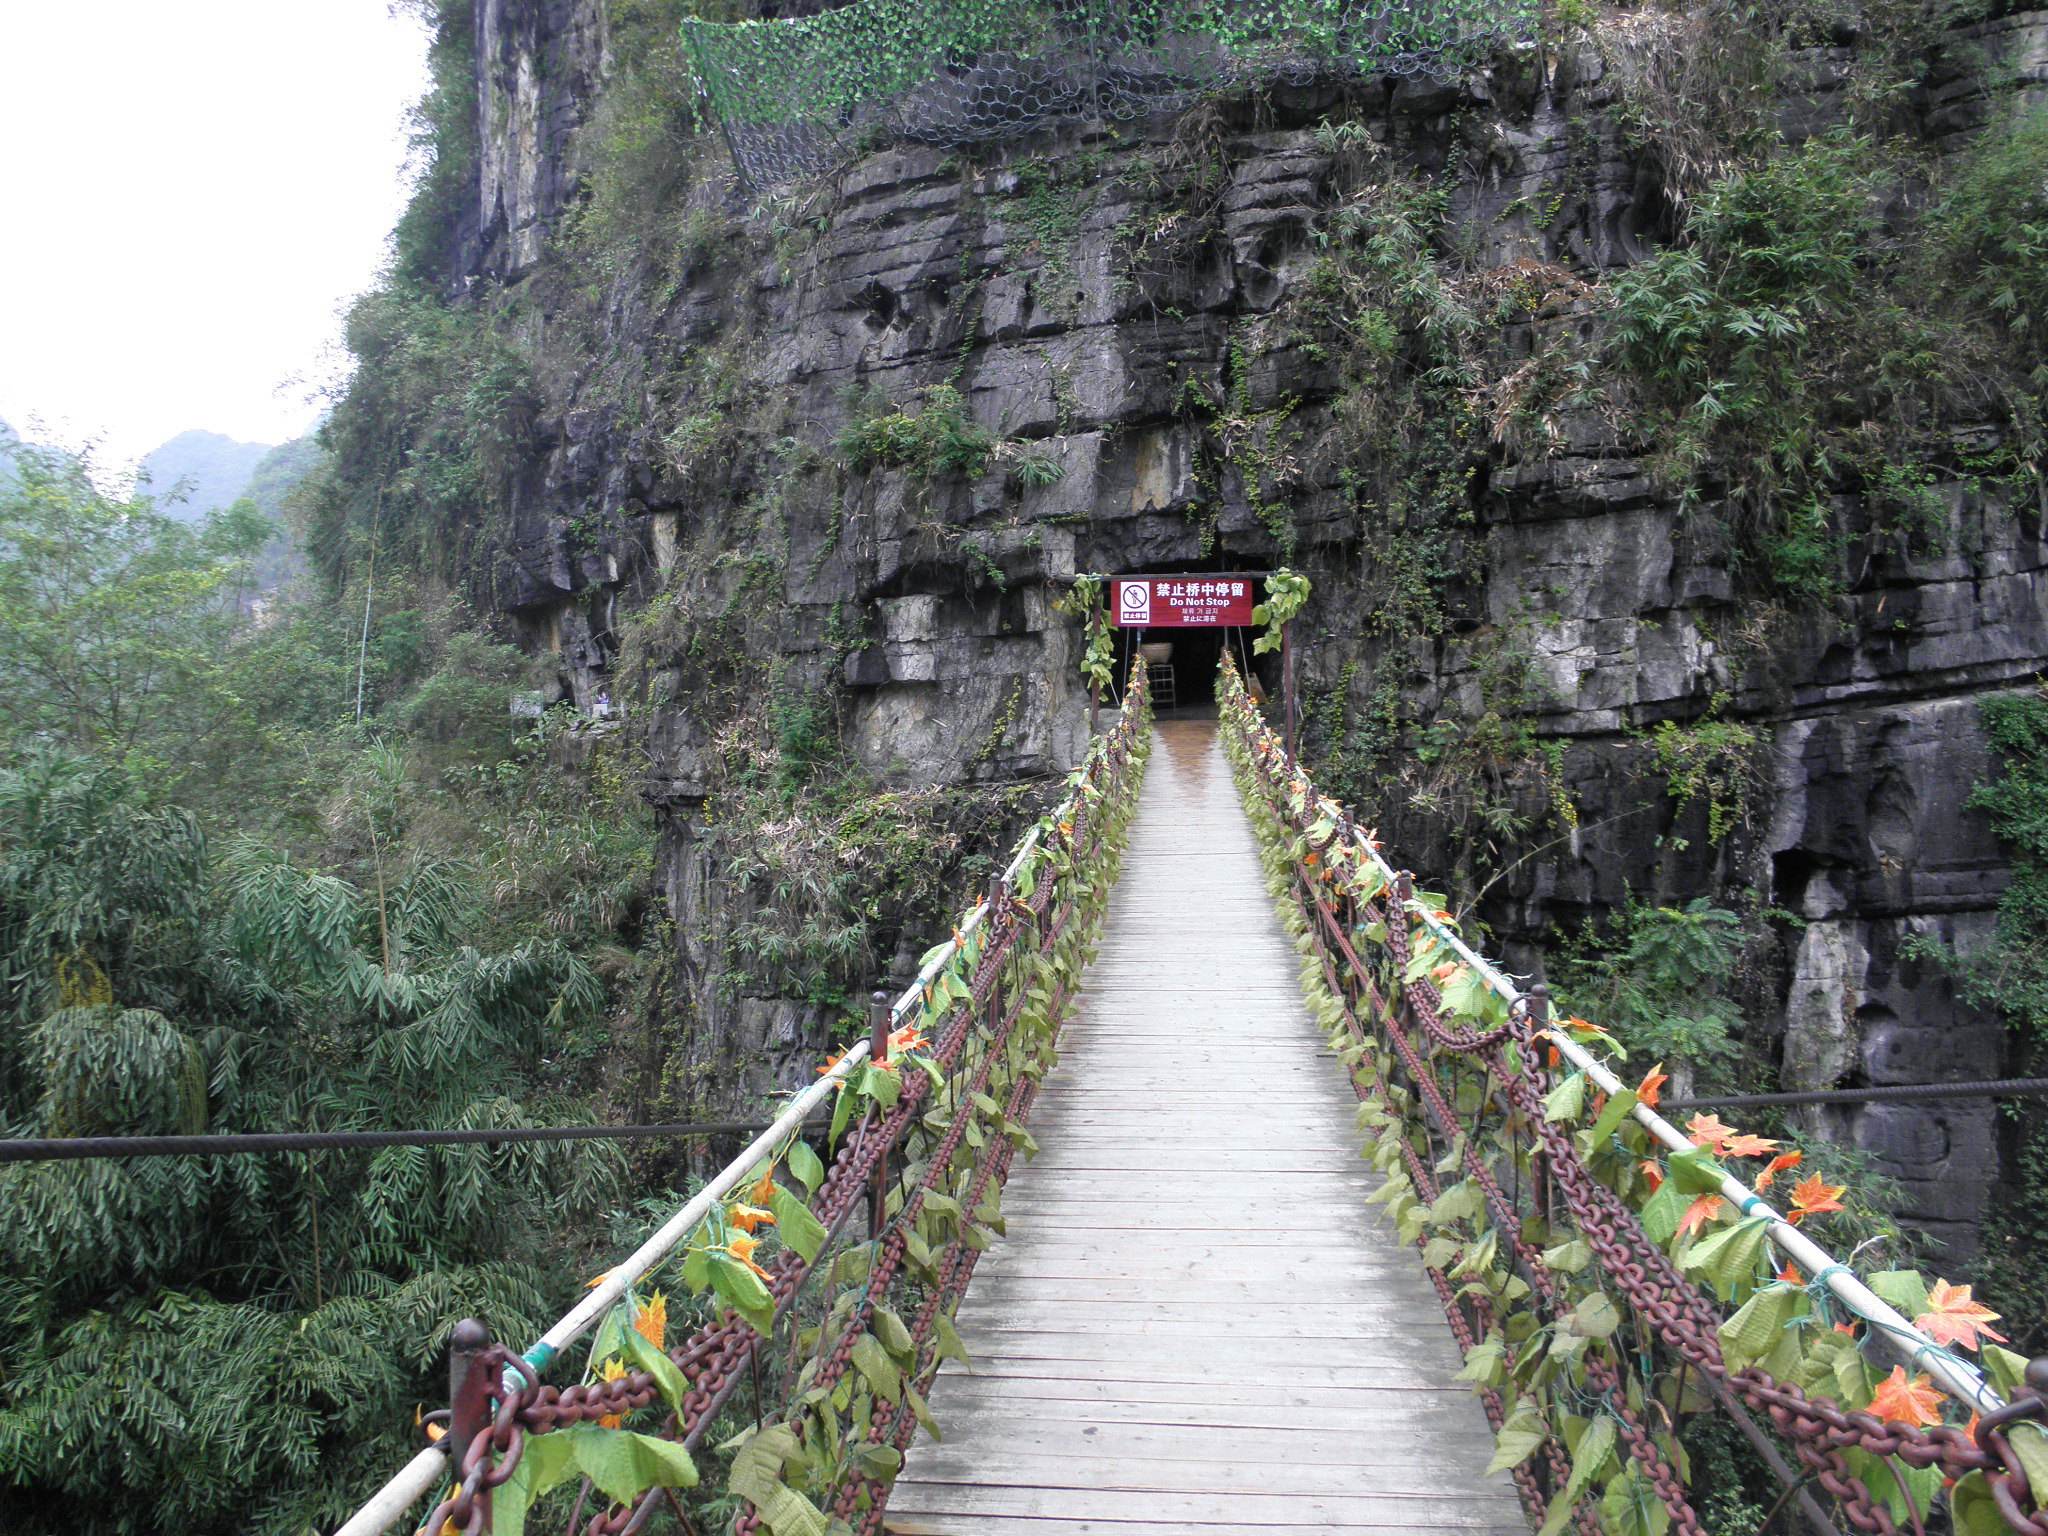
[(1024, 277)]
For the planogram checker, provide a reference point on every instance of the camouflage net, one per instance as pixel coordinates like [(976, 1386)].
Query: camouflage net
[(799, 96)]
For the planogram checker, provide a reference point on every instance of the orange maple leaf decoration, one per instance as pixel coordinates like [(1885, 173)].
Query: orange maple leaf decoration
[(831, 1061), (1790, 1275), (1900, 1401), (1812, 1196), (1848, 1328), (908, 1038), (1699, 1213), (1708, 1131), (1952, 1318), (1777, 1166), (1652, 1085), (651, 1321), (1448, 969), (742, 1248), (1747, 1146), (1652, 1172), (750, 1218), (763, 1190)]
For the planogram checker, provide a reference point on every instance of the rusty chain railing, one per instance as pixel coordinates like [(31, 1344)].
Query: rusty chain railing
[(993, 999), (1533, 1225)]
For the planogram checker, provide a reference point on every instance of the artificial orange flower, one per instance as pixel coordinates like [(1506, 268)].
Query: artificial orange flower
[(742, 1248), (614, 1370), (908, 1038), (831, 1061), (750, 1218), (763, 1192), (651, 1321), (1653, 1172), (1900, 1401), (1812, 1196), (1309, 861), (1555, 1058), (1448, 969), (1777, 1166), (888, 1065), (1585, 1028), (1952, 1318), (1699, 1213), (1747, 1146), (1652, 1084), (597, 1280), (1790, 1275), (1848, 1328)]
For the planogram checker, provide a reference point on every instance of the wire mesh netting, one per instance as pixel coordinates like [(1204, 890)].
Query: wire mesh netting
[(799, 96)]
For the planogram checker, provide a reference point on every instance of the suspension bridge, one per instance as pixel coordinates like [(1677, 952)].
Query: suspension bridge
[(1193, 998)]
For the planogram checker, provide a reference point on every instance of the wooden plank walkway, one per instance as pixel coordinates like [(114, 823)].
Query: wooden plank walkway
[(1196, 1325)]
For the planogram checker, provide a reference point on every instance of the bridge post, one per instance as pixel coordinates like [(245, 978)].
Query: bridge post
[(878, 1052), (469, 1386)]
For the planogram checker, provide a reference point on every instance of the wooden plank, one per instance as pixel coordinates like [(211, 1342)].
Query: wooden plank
[(1162, 1345), (1417, 1474), (1026, 1525), (1363, 1511)]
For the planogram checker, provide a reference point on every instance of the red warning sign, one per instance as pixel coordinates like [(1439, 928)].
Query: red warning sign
[(1181, 602)]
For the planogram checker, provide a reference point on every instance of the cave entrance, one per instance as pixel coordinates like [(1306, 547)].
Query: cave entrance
[(1185, 619)]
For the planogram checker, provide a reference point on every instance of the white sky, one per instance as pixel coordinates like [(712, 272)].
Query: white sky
[(193, 192)]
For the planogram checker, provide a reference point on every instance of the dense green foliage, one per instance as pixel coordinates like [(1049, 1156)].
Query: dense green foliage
[(226, 905)]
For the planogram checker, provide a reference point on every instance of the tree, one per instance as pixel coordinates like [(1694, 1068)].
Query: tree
[(208, 1345), (115, 618)]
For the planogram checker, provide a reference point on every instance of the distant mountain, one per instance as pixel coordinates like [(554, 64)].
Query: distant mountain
[(212, 470)]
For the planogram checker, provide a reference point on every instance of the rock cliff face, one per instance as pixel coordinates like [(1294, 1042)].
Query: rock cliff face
[(1137, 318)]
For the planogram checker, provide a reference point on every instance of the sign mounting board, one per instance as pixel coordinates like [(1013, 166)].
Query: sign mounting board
[(1181, 602)]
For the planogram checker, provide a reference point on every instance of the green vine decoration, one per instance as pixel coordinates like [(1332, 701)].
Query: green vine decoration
[(1286, 595)]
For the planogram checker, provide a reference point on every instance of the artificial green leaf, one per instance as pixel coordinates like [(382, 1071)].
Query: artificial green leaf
[(1695, 1172), (1972, 1509), (1485, 1363), (880, 1462), (1619, 1107), (1758, 1325), (950, 1347), (756, 1476), (922, 1411), (1596, 1442), (881, 1372), (1567, 1099), (1569, 1258), (1594, 1317), (798, 1228), (842, 1111), (2030, 1444), (625, 1465), (1905, 1289), (547, 1462), (889, 1328), (2007, 1370), (643, 1352), (742, 1290), (1728, 1258), (1520, 1436), (885, 1088), (1663, 1211), (696, 1271), (804, 1166)]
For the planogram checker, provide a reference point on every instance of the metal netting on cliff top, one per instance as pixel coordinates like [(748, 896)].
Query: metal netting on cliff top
[(799, 96)]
